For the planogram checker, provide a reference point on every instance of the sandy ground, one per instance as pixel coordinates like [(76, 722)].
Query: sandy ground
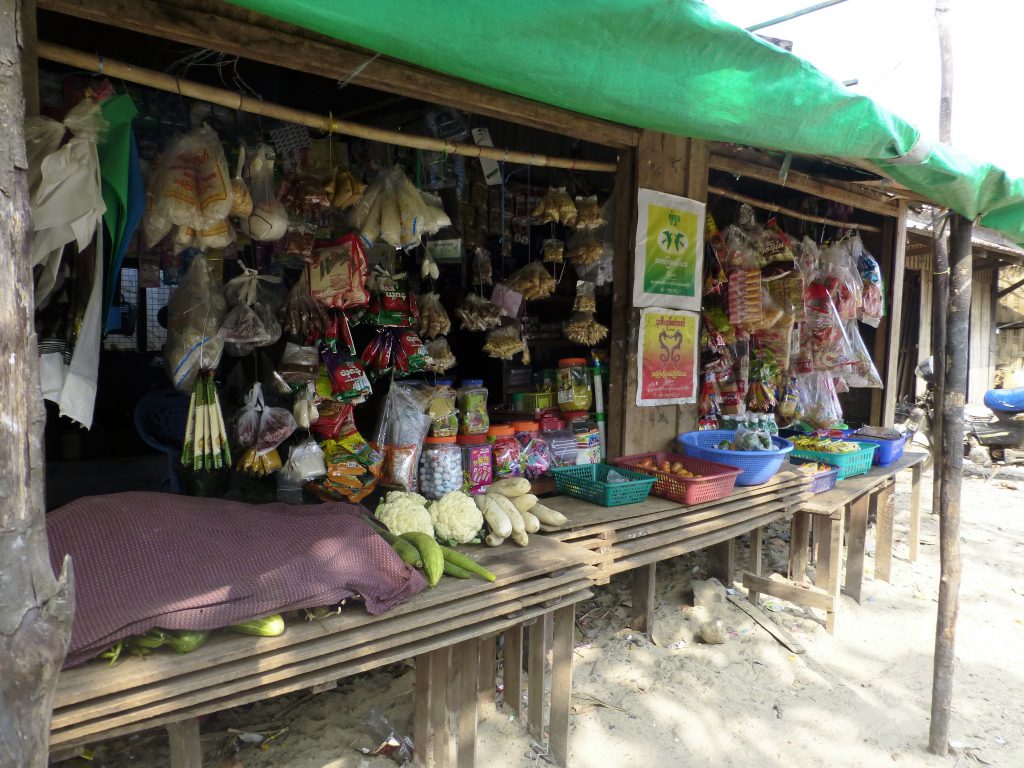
[(860, 698)]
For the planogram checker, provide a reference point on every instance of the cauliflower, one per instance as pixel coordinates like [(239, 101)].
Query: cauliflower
[(456, 518), (402, 512)]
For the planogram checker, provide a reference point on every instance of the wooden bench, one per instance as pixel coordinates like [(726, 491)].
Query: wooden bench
[(635, 537), (824, 517), (449, 630)]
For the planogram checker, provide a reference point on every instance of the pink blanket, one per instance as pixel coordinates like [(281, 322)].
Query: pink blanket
[(144, 560)]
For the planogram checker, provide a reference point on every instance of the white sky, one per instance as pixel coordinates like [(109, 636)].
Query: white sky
[(891, 48)]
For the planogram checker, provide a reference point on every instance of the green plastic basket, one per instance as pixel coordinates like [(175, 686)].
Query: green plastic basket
[(849, 464), (587, 481)]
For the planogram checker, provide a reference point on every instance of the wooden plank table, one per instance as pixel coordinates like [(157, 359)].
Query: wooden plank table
[(635, 537), (849, 505), (450, 631)]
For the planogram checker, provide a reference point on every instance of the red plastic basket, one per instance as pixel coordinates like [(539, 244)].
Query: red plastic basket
[(716, 480)]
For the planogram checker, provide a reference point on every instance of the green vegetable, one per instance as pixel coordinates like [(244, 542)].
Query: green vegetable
[(113, 653), (185, 640), (466, 563), (451, 569), (269, 626), (430, 552), (409, 554), (154, 638), (725, 445)]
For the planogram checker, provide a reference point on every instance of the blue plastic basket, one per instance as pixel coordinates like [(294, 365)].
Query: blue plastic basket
[(888, 450), (758, 466)]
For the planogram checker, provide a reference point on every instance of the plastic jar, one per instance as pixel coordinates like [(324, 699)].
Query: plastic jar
[(477, 472), (573, 388), (506, 453), (561, 442), (472, 399), (588, 442), (535, 453), (440, 467), (442, 410)]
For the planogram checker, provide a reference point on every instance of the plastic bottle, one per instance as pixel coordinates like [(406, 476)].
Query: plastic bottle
[(472, 399)]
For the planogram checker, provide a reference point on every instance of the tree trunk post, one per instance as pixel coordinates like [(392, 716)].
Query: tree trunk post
[(36, 609), (951, 468)]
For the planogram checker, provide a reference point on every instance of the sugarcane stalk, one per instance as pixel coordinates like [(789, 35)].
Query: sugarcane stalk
[(186, 448)]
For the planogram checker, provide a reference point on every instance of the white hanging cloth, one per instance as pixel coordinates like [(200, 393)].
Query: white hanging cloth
[(67, 207)]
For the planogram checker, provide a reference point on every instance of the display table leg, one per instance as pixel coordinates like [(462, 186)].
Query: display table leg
[(561, 685), (643, 599), (884, 508), (855, 547), (754, 565), (186, 748), (512, 669), (440, 712), (488, 669), (835, 559), (535, 677), (799, 533), (915, 510), (421, 723), (466, 657), (722, 561)]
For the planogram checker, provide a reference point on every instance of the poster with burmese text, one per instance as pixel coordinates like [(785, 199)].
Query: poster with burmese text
[(667, 357), (669, 251)]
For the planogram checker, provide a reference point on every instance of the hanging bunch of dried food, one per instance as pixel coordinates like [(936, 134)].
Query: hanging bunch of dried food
[(394, 211), (555, 207), (588, 214), (582, 328), (533, 281)]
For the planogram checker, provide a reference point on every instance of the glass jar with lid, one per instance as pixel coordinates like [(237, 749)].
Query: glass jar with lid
[(573, 385), (535, 453), (440, 467), (506, 452)]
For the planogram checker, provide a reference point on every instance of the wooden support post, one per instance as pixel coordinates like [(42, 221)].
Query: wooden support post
[(488, 671), (440, 712), (35, 608), (467, 656), (884, 513), (561, 685), (915, 511), (858, 511), (951, 469), (535, 677), (799, 533), (512, 669), (722, 561), (754, 564), (421, 722), (643, 599), (186, 748), (835, 559)]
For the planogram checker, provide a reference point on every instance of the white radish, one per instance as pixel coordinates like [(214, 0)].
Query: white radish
[(520, 538), (494, 541), (495, 515), (531, 523), (509, 509), (525, 502), (510, 486), (547, 515)]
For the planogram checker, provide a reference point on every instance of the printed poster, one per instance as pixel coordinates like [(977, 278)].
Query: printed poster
[(669, 251), (667, 357)]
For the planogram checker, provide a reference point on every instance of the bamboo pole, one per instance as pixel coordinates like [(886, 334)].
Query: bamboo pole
[(773, 208), (328, 124), (958, 319)]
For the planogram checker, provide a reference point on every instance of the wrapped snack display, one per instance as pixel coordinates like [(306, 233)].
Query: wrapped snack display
[(392, 304), (397, 350), (533, 281), (338, 274), (347, 382), (269, 219), (764, 371), (745, 297), (478, 314), (391, 209), (305, 197), (401, 428), (194, 315), (583, 329), (556, 206), (873, 291), (302, 315), (299, 365)]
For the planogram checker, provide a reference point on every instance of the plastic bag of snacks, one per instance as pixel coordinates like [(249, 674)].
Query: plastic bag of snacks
[(347, 190), (394, 349), (764, 371), (353, 469), (533, 281), (872, 307), (861, 371), (347, 381), (588, 213), (401, 428), (478, 314), (392, 304), (585, 248), (191, 186), (241, 197), (751, 246), (752, 440), (505, 342), (439, 356), (251, 323), (553, 251), (269, 219), (839, 273), (745, 297), (823, 330), (305, 462), (434, 320), (556, 206), (297, 245), (338, 274), (194, 315), (480, 263), (304, 196), (818, 402), (302, 315), (260, 426), (304, 408), (581, 328)]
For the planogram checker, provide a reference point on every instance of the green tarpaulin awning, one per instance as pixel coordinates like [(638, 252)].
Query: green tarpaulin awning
[(667, 65)]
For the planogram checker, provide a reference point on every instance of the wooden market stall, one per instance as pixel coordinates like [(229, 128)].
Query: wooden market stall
[(340, 91)]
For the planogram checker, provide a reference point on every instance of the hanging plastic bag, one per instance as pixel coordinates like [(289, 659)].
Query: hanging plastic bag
[(301, 315), (505, 343), (434, 320), (241, 197), (588, 213), (304, 408), (532, 281), (250, 323), (338, 274), (585, 248), (194, 315), (191, 186), (818, 402), (557, 207), (260, 426), (348, 190), (842, 279), (553, 251), (439, 356), (861, 371), (401, 428), (299, 365), (480, 267), (822, 333), (305, 462), (872, 307), (269, 219), (478, 314)]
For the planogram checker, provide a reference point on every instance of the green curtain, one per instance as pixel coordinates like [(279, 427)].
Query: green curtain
[(667, 65)]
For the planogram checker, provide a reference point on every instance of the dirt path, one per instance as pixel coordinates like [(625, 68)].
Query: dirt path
[(860, 698)]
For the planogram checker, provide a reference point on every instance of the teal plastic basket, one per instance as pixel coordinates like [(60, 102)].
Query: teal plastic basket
[(849, 464), (587, 481)]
